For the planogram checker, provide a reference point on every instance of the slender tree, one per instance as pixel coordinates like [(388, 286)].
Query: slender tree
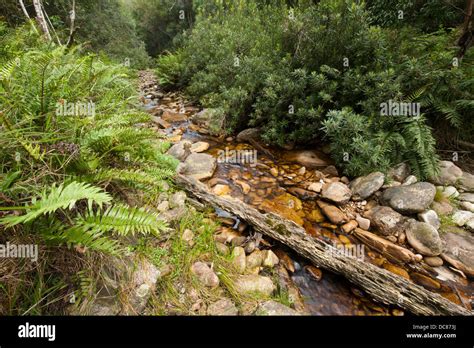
[(466, 39), (72, 29), (23, 8), (41, 19)]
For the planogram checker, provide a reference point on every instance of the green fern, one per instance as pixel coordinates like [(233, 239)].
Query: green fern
[(123, 220), (79, 235), (422, 155), (61, 197)]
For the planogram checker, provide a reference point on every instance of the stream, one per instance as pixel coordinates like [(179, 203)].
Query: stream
[(276, 183)]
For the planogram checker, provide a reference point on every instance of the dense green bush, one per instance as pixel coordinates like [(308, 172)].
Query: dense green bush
[(226, 61), (170, 69), (314, 58), (428, 15), (430, 63), (362, 144)]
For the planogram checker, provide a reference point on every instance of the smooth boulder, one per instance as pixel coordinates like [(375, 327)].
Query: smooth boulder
[(336, 192), (365, 186), (181, 150), (274, 308), (466, 182), (385, 220), (252, 283), (459, 249), (410, 199), (223, 307), (424, 238), (309, 159), (205, 274), (199, 166), (248, 135), (430, 217), (449, 174)]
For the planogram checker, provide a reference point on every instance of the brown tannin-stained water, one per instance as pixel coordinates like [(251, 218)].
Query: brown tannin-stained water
[(273, 182)]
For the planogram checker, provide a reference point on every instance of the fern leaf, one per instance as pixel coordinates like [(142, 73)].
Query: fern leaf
[(82, 236), (61, 197), (123, 220)]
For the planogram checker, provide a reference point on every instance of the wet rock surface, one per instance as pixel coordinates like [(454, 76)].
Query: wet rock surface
[(303, 186), (309, 159)]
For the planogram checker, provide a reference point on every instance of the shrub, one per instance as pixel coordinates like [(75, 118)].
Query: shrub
[(312, 58), (226, 62), (416, 13), (169, 70), (361, 144)]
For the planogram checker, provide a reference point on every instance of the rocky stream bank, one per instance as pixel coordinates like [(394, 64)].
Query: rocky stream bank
[(422, 232)]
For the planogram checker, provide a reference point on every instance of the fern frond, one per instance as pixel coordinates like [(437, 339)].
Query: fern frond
[(422, 148), (123, 220), (7, 70), (416, 94), (61, 197), (79, 235)]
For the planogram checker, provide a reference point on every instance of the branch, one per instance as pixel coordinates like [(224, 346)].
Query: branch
[(51, 24)]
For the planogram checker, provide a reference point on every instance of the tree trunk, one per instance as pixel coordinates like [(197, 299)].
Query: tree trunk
[(72, 29), (22, 5), (41, 19), (466, 39), (382, 285), (23, 8)]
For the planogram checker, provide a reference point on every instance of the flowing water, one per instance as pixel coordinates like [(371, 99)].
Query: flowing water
[(272, 183)]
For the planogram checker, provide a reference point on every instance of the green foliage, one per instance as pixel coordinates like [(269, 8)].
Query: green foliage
[(72, 164), (332, 33), (420, 14), (86, 229), (292, 104), (430, 62), (225, 61), (161, 22), (170, 68), (122, 220), (310, 58), (61, 197), (361, 145), (104, 26)]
